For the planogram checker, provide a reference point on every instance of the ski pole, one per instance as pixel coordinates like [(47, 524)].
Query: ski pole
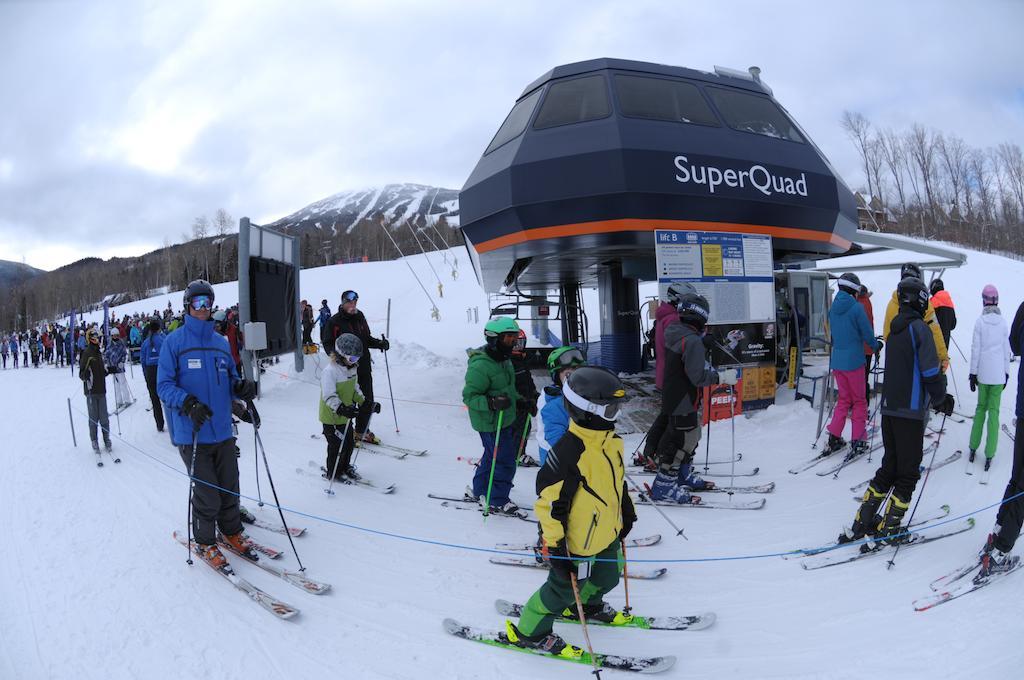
[(625, 576), (387, 370), (583, 620), (636, 487), (935, 448), (74, 440), (953, 340), (191, 487), (707, 445), (277, 503), (494, 458), (955, 388), (355, 453), (256, 461), (330, 486), (522, 440), (117, 414), (732, 419), (633, 458)]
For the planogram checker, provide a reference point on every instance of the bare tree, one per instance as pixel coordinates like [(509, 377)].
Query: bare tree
[(858, 129), (921, 146), (953, 153), (890, 148)]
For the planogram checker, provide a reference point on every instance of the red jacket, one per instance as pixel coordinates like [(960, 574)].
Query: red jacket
[(865, 302)]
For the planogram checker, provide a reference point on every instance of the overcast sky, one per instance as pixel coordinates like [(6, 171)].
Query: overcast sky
[(122, 121)]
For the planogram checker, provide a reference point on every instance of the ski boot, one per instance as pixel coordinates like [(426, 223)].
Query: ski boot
[(212, 555), (859, 447), (95, 447), (509, 508), (598, 611), (243, 545), (367, 437), (246, 514), (972, 455), (995, 562), (988, 464), (351, 473), (834, 444), (666, 488), (688, 478), (889, 531), (108, 446), (865, 520), (547, 644), (526, 460), (469, 496)]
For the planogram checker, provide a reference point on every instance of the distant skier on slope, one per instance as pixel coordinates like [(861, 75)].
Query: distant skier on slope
[(687, 372), (339, 405), (94, 382), (114, 357), (913, 384), (490, 397), (996, 552), (990, 361), (585, 512), (554, 418), (197, 380), (350, 320), (850, 332), (528, 395)]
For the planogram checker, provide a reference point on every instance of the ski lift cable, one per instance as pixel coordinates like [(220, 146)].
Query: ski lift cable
[(433, 304), (440, 286)]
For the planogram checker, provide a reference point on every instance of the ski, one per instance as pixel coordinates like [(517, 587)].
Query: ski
[(808, 464), (475, 507), (696, 463), (955, 575), (642, 542), (117, 459), (951, 458), (916, 538), (927, 602), (386, 449), (715, 475), (847, 460), (985, 472), (969, 470), (321, 474), (250, 518), (698, 502), (533, 562), (296, 579), (1006, 431), (276, 607), (99, 459), (920, 519), (653, 664), (759, 488), (692, 622)]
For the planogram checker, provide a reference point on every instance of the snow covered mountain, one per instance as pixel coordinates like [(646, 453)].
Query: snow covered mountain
[(13, 273), (343, 211)]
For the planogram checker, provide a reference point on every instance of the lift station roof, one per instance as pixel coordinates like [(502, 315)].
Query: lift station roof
[(594, 156)]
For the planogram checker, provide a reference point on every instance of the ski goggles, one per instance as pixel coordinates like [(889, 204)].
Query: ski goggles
[(351, 360), (201, 302), (349, 296), (609, 412), (569, 358)]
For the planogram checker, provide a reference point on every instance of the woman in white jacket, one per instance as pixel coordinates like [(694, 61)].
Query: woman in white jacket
[(990, 361)]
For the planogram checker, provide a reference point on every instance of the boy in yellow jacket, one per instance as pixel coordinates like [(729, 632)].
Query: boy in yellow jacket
[(584, 513), (893, 308)]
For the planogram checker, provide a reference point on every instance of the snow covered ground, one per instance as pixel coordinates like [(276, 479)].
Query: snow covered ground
[(93, 586)]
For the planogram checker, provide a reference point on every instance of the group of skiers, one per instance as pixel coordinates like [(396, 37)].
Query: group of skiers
[(48, 344)]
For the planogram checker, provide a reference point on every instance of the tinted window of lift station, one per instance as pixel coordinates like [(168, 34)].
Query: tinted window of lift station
[(660, 99), (515, 122), (574, 101), (752, 113)]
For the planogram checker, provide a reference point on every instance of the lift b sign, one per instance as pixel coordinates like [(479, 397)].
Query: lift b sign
[(755, 176)]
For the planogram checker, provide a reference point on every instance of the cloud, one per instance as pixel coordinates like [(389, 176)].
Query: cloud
[(124, 121)]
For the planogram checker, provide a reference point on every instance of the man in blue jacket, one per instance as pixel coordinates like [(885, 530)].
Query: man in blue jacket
[(197, 380), (850, 332), (149, 357)]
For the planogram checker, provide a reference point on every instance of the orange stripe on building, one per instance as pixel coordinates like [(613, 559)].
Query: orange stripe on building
[(630, 224)]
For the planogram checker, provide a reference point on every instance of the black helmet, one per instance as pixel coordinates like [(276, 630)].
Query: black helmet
[(593, 397), (912, 293), (913, 270), (693, 309), (197, 287), (937, 285), (850, 282), (348, 347), (677, 290)]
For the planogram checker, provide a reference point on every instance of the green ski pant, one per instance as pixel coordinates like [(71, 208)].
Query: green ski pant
[(989, 397), (556, 594)]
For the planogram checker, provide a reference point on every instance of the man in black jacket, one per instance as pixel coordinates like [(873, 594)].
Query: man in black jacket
[(913, 385), (93, 375), (351, 320)]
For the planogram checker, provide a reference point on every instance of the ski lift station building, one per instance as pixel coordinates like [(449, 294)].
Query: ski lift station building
[(597, 155)]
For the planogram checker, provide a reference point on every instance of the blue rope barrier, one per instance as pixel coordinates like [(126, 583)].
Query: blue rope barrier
[(473, 548)]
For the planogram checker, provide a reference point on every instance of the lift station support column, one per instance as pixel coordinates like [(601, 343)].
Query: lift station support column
[(619, 299)]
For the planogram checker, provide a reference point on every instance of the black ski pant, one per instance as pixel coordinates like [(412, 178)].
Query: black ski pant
[(212, 508), (158, 411), (364, 376), (903, 439), (678, 443), (307, 329), (654, 436), (1011, 513), (339, 452), (96, 404)]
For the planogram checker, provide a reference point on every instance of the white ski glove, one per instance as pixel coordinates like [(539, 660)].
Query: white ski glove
[(728, 376)]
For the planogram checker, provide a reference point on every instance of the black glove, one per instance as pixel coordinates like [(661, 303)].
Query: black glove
[(523, 406), (498, 402), (376, 407), (1007, 381), (709, 342), (628, 518), (245, 390), (945, 407), (347, 410), (197, 411), (879, 345), (246, 412), (384, 344), (564, 567), (973, 380)]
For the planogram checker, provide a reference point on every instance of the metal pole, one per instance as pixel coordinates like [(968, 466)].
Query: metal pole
[(277, 502), (244, 311), (387, 368), (636, 487), (71, 420)]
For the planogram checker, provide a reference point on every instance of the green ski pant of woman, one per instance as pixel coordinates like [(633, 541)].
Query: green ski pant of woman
[(556, 594), (989, 397)]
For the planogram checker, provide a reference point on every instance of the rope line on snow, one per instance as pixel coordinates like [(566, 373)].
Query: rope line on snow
[(460, 546)]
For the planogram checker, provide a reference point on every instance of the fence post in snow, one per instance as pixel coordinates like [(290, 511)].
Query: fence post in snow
[(71, 420), (476, 315)]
